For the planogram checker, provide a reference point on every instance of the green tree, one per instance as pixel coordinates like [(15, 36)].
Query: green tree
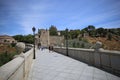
[(82, 32), (91, 27), (63, 33), (91, 30), (19, 38), (53, 30), (101, 32), (118, 31), (74, 33), (85, 29), (26, 38)]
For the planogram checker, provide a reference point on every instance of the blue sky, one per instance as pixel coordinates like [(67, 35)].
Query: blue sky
[(19, 16)]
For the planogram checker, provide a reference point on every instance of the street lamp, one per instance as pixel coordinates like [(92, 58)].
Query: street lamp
[(66, 42), (33, 29)]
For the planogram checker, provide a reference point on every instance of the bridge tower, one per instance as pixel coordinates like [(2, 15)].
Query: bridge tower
[(43, 37)]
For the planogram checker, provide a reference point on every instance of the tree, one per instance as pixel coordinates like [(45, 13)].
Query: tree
[(62, 33), (91, 27), (26, 38), (53, 30), (82, 32), (100, 31), (19, 38), (85, 29), (91, 30), (74, 33), (118, 31)]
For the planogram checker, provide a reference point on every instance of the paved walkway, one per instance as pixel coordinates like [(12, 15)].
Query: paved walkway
[(54, 66)]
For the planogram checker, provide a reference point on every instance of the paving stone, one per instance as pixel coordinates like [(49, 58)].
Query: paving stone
[(54, 66)]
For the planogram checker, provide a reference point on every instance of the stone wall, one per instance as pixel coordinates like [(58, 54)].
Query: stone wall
[(43, 37), (18, 68), (56, 40), (104, 59)]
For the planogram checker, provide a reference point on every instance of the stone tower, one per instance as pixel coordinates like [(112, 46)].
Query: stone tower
[(43, 37)]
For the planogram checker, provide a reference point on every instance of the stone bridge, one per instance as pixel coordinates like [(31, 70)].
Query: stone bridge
[(80, 64)]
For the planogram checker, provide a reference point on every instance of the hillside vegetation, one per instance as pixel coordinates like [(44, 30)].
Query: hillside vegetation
[(110, 38), (107, 44), (7, 52)]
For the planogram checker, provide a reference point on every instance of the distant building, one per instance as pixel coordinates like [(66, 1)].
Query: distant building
[(44, 39), (7, 39)]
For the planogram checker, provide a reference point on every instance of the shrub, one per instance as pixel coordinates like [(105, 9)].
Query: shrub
[(84, 40), (82, 45), (13, 44), (109, 36), (74, 44), (6, 57)]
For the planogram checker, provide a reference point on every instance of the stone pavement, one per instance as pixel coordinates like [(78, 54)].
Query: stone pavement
[(54, 66)]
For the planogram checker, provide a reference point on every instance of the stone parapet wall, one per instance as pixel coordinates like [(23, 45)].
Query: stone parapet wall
[(18, 68), (104, 59)]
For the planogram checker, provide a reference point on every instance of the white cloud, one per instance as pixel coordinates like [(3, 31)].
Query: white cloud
[(74, 15), (22, 10), (34, 17)]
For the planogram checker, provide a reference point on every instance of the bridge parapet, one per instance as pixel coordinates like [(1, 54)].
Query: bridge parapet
[(105, 59), (18, 68)]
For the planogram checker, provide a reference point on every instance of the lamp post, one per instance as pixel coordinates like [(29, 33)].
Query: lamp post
[(66, 42), (33, 29)]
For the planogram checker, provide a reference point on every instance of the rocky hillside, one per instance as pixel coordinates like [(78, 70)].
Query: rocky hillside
[(107, 44)]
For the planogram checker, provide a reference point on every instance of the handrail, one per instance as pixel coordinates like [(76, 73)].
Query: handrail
[(18, 68)]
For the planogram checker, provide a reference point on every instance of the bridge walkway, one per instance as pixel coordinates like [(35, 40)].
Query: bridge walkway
[(54, 66)]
